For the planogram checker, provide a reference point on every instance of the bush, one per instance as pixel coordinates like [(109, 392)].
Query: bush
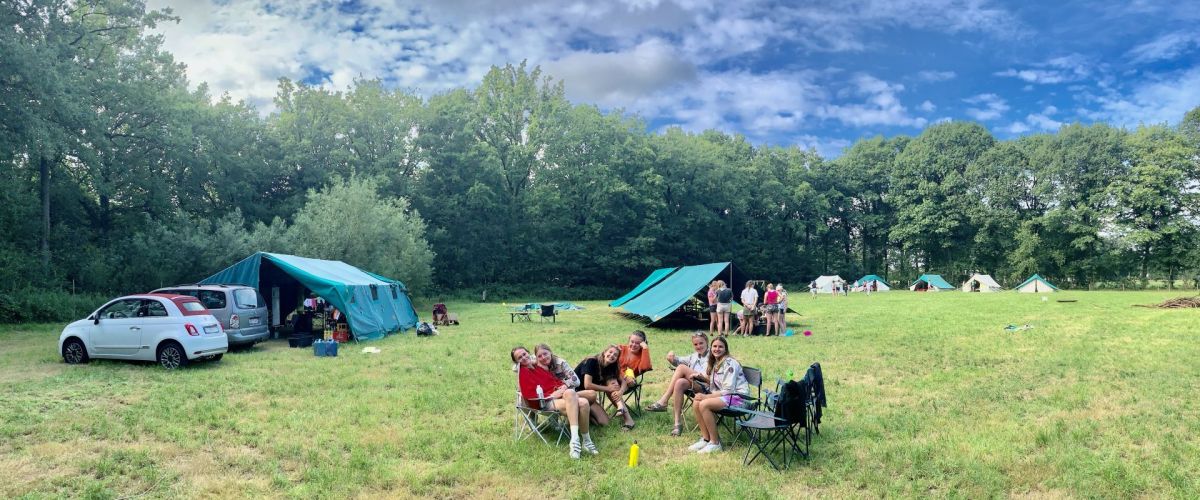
[(46, 306)]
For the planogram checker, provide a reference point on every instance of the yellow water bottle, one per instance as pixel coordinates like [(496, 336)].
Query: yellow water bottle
[(633, 455)]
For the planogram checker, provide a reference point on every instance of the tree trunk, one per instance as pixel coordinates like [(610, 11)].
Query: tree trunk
[(44, 175)]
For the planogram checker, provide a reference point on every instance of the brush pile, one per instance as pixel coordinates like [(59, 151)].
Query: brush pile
[(1178, 303)]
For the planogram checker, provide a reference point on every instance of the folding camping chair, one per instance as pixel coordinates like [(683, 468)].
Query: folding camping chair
[(548, 311), (730, 416), (535, 422), (796, 405), (633, 392)]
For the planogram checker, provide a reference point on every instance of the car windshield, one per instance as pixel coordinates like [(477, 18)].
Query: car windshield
[(246, 298)]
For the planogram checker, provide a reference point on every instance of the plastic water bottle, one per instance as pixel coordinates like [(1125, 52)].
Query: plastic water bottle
[(633, 454), (539, 393)]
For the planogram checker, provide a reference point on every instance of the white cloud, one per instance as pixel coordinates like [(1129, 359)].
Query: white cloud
[(880, 107), (617, 78), (927, 107), (827, 147), (1036, 121), (1165, 47), (988, 107), (1068, 68), (1162, 99), (936, 76)]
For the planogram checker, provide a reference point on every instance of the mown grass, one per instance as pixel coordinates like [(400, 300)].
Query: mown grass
[(928, 396)]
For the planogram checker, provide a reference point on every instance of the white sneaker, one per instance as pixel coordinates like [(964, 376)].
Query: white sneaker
[(698, 445), (590, 446), (710, 448), (575, 449)]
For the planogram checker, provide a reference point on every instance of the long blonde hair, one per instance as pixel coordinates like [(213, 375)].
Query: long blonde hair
[(712, 360)]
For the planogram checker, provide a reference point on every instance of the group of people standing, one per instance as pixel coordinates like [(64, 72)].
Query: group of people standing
[(772, 309), (710, 376)]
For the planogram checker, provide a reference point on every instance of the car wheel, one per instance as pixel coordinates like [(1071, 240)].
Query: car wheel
[(74, 352), (171, 355)]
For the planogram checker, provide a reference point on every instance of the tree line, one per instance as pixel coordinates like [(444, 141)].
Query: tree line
[(120, 178)]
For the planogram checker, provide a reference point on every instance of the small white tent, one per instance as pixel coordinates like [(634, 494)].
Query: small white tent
[(1036, 284), (825, 284), (981, 283)]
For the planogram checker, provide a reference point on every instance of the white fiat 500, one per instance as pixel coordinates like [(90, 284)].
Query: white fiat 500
[(169, 329)]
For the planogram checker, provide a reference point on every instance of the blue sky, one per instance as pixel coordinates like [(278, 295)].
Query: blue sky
[(816, 74)]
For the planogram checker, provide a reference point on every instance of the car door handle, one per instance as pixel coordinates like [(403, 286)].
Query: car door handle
[(135, 328)]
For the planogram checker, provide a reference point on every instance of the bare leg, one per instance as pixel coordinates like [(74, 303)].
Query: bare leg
[(681, 371), (584, 410), (706, 411), (680, 386)]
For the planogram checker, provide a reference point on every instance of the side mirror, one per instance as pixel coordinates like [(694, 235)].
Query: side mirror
[(95, 320)]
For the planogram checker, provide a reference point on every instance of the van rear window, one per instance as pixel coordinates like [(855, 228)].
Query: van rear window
[(246, 298)]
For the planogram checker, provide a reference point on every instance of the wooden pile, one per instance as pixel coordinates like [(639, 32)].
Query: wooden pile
[(1178, 303)]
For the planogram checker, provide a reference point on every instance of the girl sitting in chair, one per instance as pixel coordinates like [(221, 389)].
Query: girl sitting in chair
[(530, 377), (728, 386), (689, 375), (599, 373)]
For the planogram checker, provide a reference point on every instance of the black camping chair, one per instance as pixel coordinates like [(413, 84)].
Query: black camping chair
[(729, 416), (548, 311), (797, 405)]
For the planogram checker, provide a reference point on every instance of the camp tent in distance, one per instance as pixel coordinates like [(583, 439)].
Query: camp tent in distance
[(646, 284), (981, 283), (668, 297), (825, 283), (881, 285), (1036, 284), (930, 282)]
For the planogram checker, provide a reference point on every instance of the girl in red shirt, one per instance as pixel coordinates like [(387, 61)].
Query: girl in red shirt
[(557, 396)]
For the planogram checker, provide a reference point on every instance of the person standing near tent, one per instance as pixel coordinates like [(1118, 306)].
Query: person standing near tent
[(812, 288), (712, 307), (724, 306), (781, 313), (749, 308), (771, 300)]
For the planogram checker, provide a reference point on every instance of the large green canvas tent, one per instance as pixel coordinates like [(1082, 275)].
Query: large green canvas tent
[(933, 282), (374, 305), (650, 281), (664, 298)]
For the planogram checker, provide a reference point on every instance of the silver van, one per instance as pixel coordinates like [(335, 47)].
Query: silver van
[(239, 308)]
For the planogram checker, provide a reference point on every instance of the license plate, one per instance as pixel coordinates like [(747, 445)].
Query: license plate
[(255, 321)]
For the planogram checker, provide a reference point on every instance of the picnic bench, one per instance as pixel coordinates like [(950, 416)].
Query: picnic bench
[(519, 315)]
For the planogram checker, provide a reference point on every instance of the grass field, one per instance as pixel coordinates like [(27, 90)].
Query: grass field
[(928, 396)]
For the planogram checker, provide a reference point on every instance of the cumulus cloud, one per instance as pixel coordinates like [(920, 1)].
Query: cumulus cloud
[(617, 78), (880, 106), (1041, 122), (987, 107), (927, 106), (1162, 99), (827, 147)]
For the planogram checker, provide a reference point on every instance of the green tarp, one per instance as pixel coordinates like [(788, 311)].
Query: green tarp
[(374, 305), (671, 292), (650, 281)]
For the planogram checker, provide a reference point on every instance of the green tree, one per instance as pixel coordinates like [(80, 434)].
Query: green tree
[(350, 222)]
